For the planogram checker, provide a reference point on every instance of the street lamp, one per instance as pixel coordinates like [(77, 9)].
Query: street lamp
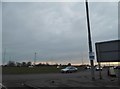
[(91, 53)]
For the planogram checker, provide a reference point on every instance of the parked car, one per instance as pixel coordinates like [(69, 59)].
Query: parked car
[(88, 67), (97, 68), (69, 69), (30, 66), (117, 67)]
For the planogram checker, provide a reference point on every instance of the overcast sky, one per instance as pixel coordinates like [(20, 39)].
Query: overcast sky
[(56, 31)]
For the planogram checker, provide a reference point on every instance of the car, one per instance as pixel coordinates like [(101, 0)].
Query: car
[(87, 67), (69, 69), (30, 66), (117, 67), (97, 68)]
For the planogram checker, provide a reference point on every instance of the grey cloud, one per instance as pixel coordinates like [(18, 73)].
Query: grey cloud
[(56, 31)]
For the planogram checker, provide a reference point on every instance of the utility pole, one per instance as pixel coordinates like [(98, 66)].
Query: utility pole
[(35, 59), (4, 56), (91, 54), (82, 59)]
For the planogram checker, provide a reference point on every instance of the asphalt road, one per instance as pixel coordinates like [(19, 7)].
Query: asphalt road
[(33, 79)]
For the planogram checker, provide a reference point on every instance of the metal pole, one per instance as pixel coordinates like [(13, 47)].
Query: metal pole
[(35, 59), (100, 74), (90, 43)]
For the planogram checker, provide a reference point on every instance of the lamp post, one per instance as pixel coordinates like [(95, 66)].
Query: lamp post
[(91, 54)]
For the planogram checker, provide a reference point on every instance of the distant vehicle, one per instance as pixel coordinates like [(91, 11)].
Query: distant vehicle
[(117, 67), (88, 67), (58, 67), (69, 69), (30, 66), (97, 68)]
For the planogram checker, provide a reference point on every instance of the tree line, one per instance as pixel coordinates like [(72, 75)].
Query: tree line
[(27, 64), (18, 64)]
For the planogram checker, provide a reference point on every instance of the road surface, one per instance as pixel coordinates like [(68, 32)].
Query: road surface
[(78, 79)]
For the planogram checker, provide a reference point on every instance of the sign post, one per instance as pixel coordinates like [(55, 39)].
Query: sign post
[(100, 74)]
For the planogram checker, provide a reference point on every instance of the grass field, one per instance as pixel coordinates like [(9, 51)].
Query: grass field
[(27, 70), (34, 70)]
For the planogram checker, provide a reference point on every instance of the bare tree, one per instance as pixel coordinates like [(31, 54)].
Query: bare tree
[(18, 64), (29, 63), (24, 64), (11, 64), (69, 64)]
